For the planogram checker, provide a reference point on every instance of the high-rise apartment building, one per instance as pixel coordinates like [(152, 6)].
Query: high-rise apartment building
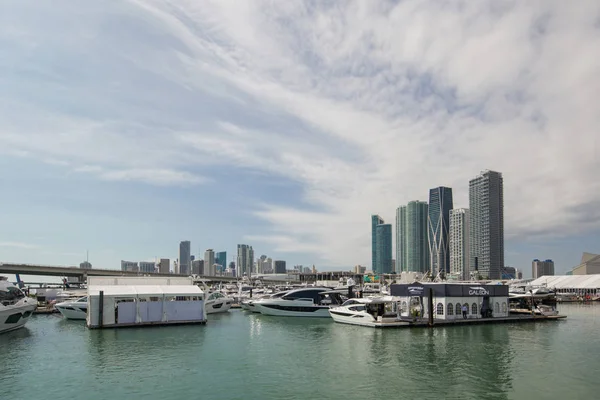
[(383, 244), (209, 262), (198, 267), (401, 239), (486, 219), (541, 268), (245, 260), (412, 245), (375, 220), (458, 235), (440, 204), (131, 266), (185, 259)]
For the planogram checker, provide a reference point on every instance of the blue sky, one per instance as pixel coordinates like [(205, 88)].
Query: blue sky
[(127, 126)]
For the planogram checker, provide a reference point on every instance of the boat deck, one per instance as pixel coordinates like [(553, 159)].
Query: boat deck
[(468, 321)]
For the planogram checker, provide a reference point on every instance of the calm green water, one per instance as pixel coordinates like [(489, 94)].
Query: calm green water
[(249, 356)]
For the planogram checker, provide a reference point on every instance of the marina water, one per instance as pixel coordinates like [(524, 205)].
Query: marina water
[(250, 356)]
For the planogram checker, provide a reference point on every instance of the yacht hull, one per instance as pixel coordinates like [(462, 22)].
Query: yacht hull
[(72, 312), (15, 317), (307, 311), (218, 306)]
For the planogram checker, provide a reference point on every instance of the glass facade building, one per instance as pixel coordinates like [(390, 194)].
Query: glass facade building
[(383, 238), (440, 204), (412, 245), (375, 220)]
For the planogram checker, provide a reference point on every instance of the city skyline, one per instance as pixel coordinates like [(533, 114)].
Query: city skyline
[(275, 128)]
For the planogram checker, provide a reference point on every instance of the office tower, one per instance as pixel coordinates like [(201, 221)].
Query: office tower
[(209, 262), (198, 267), (245, 260), (164, 266), (440, 204), (383, 240), (459, 243), (280, 267), (147, 267), (486, 219), (401, 239), (412, 252), (541, 268), (221, 259), (375, 220), (131, 266), (185, 258)]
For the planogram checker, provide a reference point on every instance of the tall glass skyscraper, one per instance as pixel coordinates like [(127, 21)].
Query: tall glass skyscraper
[(486, 224), (440, 204), (375, 220), (185, 258), (221, 259), (412, 249), (383, 239), (245, 259)]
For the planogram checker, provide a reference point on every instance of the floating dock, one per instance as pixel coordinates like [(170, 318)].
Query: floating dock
[(424, 323)]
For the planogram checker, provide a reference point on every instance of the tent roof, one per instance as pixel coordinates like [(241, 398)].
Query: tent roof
[(568, 281), (145, 290)]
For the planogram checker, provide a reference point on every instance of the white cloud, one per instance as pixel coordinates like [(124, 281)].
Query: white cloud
[(19, 245), (366, 104)]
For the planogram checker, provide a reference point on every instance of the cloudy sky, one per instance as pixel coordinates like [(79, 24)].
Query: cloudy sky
[(127, 126)]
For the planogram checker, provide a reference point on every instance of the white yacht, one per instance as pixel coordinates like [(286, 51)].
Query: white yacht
[(307, 302), (375, 312), (73, 309), (15, 307), (217, 302), (248, 304)]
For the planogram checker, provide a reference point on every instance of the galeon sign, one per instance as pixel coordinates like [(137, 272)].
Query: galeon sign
[(478, 291)]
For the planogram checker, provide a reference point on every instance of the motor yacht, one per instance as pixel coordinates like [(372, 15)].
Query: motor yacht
[(306, 302), (248, 303), (15, 307), (73, 309), (381, 311), (217, 302)]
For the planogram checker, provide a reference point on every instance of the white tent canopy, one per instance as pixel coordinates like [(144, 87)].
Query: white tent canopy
[(568, 282)]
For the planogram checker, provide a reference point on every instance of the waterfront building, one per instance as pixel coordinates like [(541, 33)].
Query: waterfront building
[(85, 265), (458, 239), (164, 266), (209, 262), (440, 204), (359, 269), (198, 267), (185, 258), (541, 268), (221, 259), (383, 240), (245, 257), (147, 266), (131, 266), (412, 249), (375, 220), (486, 219), (280, 267), (590, 264)]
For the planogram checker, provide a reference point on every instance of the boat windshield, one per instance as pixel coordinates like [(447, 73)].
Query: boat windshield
[(10, 295)]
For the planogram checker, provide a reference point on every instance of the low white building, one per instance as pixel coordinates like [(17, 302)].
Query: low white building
[(135, 301), (449, 299)]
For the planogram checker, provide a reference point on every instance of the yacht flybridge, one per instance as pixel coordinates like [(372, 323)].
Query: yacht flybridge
[(15, 307), (306, 302)]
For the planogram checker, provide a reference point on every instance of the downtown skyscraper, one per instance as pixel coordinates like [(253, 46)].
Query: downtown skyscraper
[(486, 224), (460, 255), (440, 204), (412, 248), (245, 260), (185, 258), (381, 245)]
